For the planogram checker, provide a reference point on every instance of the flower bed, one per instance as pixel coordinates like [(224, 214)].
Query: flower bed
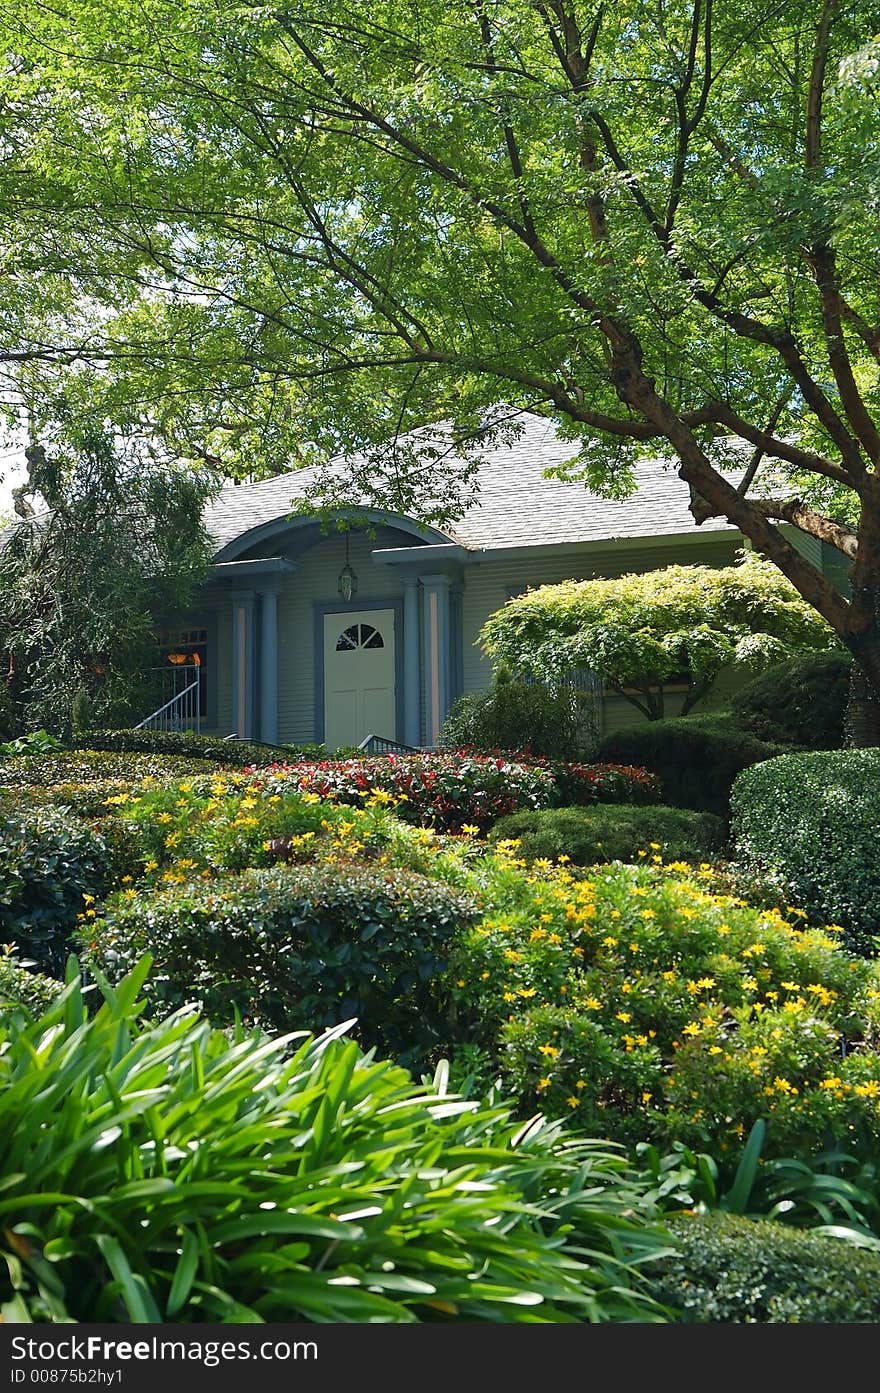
[(463, 788)]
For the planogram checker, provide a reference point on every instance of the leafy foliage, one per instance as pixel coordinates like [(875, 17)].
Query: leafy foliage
[(132, 1193), (463, 788), (84, 583), (644, 1003), (587, 836), (800, 702), (638, 632), (187, 745), (812, 822), (310, 945), (21, 987), (49, 861), (558, 722), (83, 767), (696, 758), (735, 1269)]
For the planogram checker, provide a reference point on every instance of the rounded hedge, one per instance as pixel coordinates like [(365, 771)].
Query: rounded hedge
[(49, 863), (304, 946), (524, 716), (78, 767), (798, 702), (740, 1270), (606, 832), (812, 822), (696, 757), (20, 987)]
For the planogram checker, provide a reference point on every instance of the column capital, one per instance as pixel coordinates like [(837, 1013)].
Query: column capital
[(435, 580)]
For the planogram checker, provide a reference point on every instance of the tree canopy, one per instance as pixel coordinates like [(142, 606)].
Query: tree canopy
[(641, 632), (312, 230), (85, 581)]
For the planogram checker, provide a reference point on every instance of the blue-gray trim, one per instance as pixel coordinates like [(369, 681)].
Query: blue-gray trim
[(237, 571), (243, 723), (412, 661), (291, 522), (269, 666), (439, 584), (325, 607), (456, 642)]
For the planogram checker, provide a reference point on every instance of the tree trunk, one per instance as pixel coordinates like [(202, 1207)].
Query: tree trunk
[(861, 727)]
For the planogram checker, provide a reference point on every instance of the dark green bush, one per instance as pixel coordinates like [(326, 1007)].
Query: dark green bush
[(48, 862), (612, 832), (696, 757), (812, 822), (271, 1180), (237, 753), (798, 702), (303, 946), (21, 987), (748, 1270), (524, 716), (70, 767)]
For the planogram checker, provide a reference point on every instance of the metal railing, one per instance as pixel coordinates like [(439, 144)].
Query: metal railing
[(182, 712), (378, 745)]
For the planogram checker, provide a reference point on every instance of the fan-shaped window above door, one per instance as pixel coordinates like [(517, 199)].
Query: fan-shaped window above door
[(359, 636)]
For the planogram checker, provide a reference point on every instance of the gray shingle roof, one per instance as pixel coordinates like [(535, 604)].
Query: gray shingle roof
[(516, 507)]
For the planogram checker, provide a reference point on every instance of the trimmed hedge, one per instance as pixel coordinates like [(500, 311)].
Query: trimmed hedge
[(525, 716), (20, 987), (756, 1270), (237, 753), (310, 945), (696, 757), (589, 836), (812, 822), (79, 767), (798, 702), (49, 862)]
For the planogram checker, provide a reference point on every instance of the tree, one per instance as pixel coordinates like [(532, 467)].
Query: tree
[(116, 547), (654, 221), (640, 632)]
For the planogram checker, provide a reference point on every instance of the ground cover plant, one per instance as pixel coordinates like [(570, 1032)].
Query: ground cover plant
[(132, 1193)]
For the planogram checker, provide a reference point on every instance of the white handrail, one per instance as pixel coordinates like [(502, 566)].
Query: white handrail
[(176, 710)]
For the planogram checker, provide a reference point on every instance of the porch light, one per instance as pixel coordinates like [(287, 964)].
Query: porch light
[(348, 581)]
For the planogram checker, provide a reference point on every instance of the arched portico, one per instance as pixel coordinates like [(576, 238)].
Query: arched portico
[(395, 660)]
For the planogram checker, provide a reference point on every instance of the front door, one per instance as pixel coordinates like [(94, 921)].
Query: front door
[(359, 695)]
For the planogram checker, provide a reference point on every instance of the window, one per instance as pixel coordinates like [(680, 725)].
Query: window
[(359, 636), (180, 651)]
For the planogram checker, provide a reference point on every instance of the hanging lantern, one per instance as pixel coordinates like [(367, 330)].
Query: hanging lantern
[(348, 581)]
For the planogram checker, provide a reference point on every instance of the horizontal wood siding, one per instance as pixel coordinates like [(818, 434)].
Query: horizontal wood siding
[(314, 582), (489, 584)]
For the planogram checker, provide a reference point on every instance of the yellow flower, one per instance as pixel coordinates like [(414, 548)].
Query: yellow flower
[(573, 1102), (871, 1089), (609, 941), (164, 817), (88, 899), (580, 1085), (550, 1051), (691, 1029), (592, 1003), (624, 1016), (470, 830), (646, 1097), (544, 1083)]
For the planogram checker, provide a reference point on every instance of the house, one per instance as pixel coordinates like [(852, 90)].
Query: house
[(289, 654)]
